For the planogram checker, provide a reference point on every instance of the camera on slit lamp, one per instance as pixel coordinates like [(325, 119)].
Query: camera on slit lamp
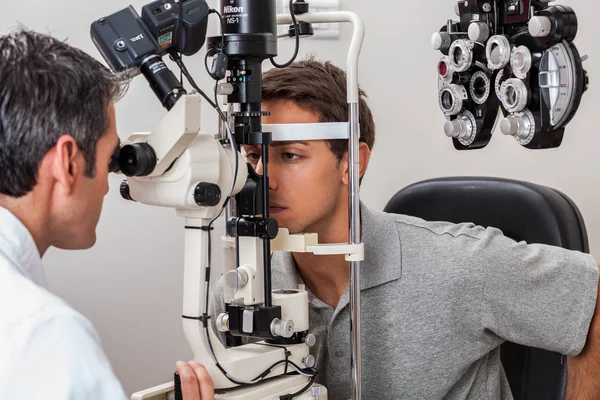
[(518, 56)]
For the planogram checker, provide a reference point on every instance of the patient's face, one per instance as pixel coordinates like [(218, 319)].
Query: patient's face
[(305, 178)]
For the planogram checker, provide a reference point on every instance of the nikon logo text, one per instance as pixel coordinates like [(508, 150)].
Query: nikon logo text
[(232, 9)]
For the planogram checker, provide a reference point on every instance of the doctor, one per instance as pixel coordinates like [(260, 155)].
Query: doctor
[(57, 135)]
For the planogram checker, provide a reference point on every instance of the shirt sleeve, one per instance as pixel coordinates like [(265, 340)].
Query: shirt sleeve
[(537, 295), (61, 359)]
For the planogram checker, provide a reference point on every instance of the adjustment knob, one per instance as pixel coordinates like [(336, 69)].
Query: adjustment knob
[(267, 228), (457, 128), (225, 89), (223, 322), (207, 194), (125, 192), (521, 126), (479, 32), (540, 26), (300, 7), (284, 329), (310, 340), (452, 128), (236, 279), (309, 361), (441, 41), (509, 125)]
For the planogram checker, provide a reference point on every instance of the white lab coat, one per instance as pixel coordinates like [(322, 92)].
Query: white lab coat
[(47, 349)]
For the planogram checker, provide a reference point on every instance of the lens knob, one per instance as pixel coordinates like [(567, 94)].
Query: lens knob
[(125, 191), (479, 32), (138, 159), (310, 340), (441, 41), (309, 361), (454, 127), (207, 194), (223, 322), (460, 128), (520, 126), (540, 26), (284, 329), (509, 126), (236, 279)]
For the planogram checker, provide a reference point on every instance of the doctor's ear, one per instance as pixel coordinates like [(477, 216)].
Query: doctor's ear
[(68, 162)]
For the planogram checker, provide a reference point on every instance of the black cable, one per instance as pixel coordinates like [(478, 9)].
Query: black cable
[(221, 50), (185, 71), (297, 31), (213, 11), (299, 392)]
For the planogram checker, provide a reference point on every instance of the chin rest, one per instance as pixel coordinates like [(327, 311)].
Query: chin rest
[(524, 212)]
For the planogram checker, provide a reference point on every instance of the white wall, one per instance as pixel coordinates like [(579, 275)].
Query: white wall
[(129, 284)]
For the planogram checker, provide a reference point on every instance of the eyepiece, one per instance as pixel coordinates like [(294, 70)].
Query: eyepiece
[(138, 159)]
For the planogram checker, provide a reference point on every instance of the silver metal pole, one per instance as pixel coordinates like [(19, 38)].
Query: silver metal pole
[(355, 238)]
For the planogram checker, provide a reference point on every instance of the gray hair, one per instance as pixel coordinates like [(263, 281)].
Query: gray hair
[(47, 89)]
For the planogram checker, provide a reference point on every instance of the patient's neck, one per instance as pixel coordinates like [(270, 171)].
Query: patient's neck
[(327, 277)]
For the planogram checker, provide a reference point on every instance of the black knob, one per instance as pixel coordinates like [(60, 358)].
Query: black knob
[(125, 192), (231, 227), (267, 228), (207, 194), (138, 159), (300, 7), (305, 30), (253, 227)]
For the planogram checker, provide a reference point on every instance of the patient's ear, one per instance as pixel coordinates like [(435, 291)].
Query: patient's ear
[(364, 156)]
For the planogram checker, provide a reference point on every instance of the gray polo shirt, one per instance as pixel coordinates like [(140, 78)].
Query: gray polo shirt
[(438, 299)]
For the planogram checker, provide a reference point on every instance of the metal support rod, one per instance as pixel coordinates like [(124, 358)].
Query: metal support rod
[(355, 238), (266, 215)]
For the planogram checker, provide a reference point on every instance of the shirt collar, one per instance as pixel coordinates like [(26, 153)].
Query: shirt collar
[(382, 263), (17, 244)]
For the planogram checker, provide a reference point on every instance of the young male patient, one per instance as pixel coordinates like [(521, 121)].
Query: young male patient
[(438, 299)]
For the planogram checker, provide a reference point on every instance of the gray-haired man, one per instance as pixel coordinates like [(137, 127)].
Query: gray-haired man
[(57, 137)]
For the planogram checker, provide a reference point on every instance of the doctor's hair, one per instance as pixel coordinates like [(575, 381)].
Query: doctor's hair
[(319, 87), (48, 89)]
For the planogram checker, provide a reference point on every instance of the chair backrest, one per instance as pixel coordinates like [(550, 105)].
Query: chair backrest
[(524, 212)]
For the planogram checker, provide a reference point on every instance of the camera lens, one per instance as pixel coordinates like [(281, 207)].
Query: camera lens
[(447, 100), (137, 159), (458, 55), (451, 98), (495, 54), (515, 95), (498, 52), (511, 96), (480, 87), (461, 55), (443, 69)]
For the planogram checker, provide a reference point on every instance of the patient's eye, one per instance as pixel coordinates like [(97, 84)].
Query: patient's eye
[(253, 156), (287, 156)]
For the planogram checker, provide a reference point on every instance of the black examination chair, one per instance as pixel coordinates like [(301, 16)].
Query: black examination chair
[(524, 212)]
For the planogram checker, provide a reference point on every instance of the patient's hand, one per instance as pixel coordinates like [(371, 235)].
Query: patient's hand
[(196, 384)]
